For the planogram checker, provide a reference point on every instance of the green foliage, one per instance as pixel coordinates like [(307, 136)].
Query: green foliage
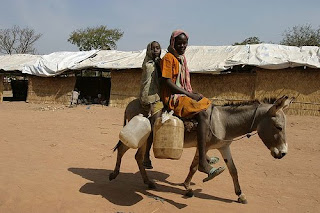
[(302, 35), (95, 38), (250, 40)]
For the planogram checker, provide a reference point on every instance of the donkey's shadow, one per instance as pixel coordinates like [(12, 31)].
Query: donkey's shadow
[(126, 190)]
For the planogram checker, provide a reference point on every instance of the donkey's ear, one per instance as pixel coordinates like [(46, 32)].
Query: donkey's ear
[(280, 103), (288, 102)]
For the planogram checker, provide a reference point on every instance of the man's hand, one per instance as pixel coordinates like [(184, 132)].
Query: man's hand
[(196, 96)]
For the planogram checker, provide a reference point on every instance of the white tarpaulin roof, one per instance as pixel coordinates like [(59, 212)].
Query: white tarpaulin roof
[(44, 65), (17, 61), (200, 59), (113, 59)]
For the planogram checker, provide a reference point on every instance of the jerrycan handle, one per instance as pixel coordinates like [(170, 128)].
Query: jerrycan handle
[(166, 116)]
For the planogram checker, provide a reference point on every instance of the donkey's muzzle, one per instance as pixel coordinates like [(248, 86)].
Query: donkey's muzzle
[(280, 152), (278, 155)]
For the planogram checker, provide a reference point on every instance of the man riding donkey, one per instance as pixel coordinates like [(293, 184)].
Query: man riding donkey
[(177, 95)]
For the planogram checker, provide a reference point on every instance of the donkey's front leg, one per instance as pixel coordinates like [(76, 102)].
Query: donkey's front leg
[(193, 169), (139, 158), (226, 154)]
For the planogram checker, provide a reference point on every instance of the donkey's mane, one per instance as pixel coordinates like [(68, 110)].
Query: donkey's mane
[(251, 102)]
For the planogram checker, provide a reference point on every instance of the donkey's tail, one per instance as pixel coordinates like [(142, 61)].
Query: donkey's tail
[(117, 146), (119, 142)]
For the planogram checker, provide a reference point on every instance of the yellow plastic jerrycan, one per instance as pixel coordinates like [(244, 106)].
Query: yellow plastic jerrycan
[(136, 132), (168, 137)]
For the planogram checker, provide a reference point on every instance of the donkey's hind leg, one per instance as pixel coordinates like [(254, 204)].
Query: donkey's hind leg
[(121, 150), (193, 170), (139, 158)]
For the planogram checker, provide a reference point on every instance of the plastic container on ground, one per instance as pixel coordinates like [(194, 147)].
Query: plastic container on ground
[(136, 132), (168, 138)]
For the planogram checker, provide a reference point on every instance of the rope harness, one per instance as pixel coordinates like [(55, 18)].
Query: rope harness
[(248, 135)]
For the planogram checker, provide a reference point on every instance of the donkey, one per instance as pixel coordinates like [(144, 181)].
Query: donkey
[(225, 123)]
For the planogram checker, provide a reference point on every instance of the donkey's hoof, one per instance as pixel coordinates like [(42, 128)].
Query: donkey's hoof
[(147, 164), (189, 193), (242, 199), (112, 176)]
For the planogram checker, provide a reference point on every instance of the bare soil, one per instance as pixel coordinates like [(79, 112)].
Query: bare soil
[(57, 159)]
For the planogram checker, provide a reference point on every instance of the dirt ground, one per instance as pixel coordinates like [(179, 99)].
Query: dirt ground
[(57, 159)]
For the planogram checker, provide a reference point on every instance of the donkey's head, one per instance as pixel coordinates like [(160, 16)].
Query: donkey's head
[(272, 128)]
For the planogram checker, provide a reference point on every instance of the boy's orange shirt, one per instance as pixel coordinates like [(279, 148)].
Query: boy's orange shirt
[(170, 69), (184, 106)]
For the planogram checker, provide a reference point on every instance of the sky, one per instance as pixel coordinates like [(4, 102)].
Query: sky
[(208, 22)]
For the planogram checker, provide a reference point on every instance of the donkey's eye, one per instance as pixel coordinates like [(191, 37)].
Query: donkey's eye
[(279, 128)]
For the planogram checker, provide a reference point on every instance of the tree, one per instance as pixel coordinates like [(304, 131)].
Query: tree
[(301, 35), (18, 40), (95, 38), (250, 40)]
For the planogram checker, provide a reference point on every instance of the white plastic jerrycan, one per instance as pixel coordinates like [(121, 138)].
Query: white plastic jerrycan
[(136, 132)]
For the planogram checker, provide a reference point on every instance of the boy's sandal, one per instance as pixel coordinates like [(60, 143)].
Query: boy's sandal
[(213, 173), (213, 160)]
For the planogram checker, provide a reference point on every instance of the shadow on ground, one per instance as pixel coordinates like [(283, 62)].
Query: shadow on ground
[(126, 190)]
